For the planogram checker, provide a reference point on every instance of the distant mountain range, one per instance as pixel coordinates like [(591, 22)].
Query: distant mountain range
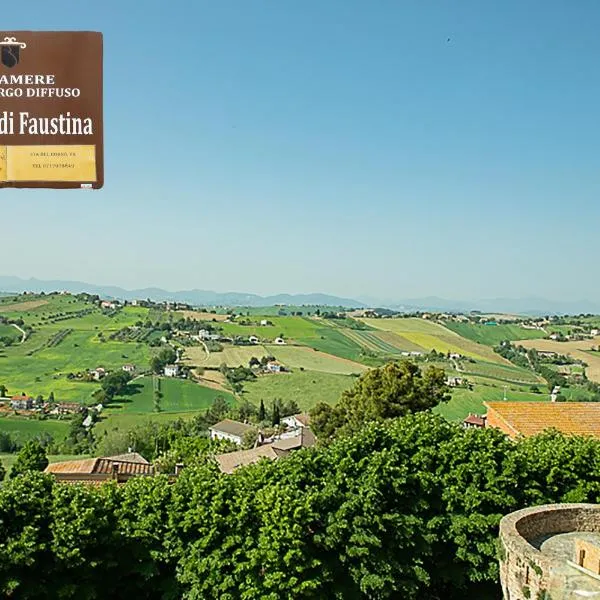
[(195, 297), (524, 306)]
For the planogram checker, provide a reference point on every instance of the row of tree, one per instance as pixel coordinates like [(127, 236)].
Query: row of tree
[(406, 508)]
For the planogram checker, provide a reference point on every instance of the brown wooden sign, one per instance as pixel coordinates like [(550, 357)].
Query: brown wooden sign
[(51, 130)]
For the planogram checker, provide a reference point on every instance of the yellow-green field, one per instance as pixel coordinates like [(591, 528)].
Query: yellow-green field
[(313, 360), (232, 356), (431, 336)]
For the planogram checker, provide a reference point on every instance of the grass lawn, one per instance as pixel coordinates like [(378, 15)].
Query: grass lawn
[(492, 335), (307, 388), (22, 428)]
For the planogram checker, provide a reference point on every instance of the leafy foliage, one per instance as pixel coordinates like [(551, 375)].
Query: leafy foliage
[(32, 457), (406, 508)]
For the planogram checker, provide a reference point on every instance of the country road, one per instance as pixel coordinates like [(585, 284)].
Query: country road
[(23, 332)]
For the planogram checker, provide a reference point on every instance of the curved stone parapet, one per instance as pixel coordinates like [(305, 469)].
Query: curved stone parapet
[(537, 560)]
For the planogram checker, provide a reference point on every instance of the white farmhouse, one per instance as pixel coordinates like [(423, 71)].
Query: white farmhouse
[(280, 341), (253, 339), (274, 366), (296, 421), (171, 370), (230, 430)]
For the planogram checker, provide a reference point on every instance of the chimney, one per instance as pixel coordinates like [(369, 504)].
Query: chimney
[(178, 468)]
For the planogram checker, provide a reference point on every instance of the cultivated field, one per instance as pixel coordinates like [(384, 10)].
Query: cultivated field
[(23, 429), (232, 356), (501, 372), (291, 328), (66, 339), (307, 388), (578, 350), (202, 316), (178, 395), (492, 335), (21, 306), (307, 358), (431, 336)]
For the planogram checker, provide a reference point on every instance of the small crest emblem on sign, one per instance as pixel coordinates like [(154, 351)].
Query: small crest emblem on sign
[(10, 49)]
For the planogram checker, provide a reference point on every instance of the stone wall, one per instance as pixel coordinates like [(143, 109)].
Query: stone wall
[(526, 573)]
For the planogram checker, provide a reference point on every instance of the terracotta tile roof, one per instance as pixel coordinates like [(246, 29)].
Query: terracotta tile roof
[(232, 460), (137, 465), (72, 466), (106, 465), (231, 427), (475, 420), (129, 457), (529, 418)]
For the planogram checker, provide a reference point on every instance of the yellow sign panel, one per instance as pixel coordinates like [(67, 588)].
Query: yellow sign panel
[(48, 163), (2, 163)]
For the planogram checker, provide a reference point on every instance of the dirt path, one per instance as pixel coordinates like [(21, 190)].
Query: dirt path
[(23, 332)]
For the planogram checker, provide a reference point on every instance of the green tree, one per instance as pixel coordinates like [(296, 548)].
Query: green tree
[(218, 410), (276, 413), (115, 384), (32, 457), (164, 357), (262, 415), (157, 396), (3, 391), (394, 390)]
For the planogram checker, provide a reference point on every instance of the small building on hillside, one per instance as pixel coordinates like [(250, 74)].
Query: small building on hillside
[(129, 368), (274, 366), (21, 402), (95, 471), (98, 373), (108, 304), (454, 381), (280, 448), (474, 421), (264, 322), (304, 439), (230, 461), (253, 339), (296, 421), (279, 341), (66, 408), (230, 430), (524, 419), (171, 370)]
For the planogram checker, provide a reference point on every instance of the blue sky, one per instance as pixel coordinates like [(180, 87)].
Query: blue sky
[(337, 146)]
